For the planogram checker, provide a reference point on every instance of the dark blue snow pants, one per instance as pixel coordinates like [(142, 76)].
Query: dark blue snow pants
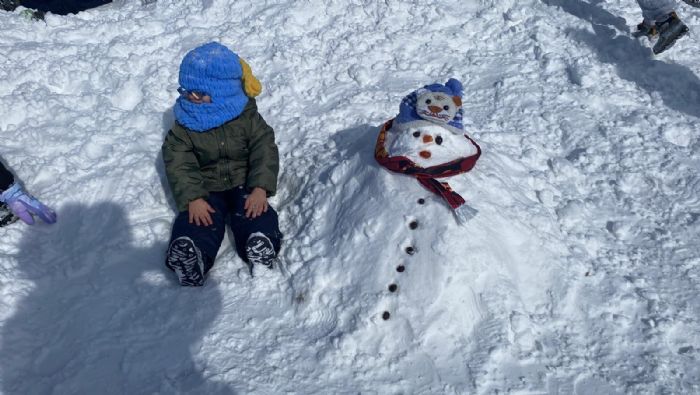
[(63, 7), (229, 209)]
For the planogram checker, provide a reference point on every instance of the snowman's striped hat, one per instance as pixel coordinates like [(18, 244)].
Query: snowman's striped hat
[(409, 116)]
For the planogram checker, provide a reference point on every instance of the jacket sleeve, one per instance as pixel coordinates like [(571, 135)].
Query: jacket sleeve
[(6, 178), (263, 161), (182, 168)]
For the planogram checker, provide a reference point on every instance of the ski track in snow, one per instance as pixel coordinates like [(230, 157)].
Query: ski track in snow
[(578, 275)]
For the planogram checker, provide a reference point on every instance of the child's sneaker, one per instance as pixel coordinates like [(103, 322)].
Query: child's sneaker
[(670, 30), (186, 260), (6, 215), (260, 250)]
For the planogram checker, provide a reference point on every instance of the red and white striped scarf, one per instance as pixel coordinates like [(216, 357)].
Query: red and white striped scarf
[(427, 175)]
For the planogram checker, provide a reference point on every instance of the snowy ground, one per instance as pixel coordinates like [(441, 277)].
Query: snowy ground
[(579, 275)]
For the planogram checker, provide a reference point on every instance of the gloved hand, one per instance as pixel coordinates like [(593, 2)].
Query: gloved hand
[(25, 205), (34, 15), (694, 3)]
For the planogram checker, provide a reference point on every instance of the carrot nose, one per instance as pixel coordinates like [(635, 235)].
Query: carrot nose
[(425, 154), (427, 138), (435, 109)]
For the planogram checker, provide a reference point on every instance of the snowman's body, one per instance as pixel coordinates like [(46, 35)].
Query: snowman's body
[(428, 145)]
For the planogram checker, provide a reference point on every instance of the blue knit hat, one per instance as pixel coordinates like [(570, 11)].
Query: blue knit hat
[(433, 104), (216, 71)]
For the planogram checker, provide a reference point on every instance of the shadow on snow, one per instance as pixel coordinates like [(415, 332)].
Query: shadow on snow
[(103, 316), (676, 85)]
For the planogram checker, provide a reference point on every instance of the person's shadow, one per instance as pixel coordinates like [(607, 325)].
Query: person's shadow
[(96, 315), (676, 85)]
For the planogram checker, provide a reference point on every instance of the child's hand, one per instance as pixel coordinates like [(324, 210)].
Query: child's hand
[(256, 203), (25, 206), (199, 212)]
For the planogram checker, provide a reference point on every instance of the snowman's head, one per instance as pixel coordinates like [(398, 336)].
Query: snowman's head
[(434, 104), (437, 107)]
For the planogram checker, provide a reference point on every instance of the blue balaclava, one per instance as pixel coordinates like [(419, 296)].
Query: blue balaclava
[(216, 71), (434, 104)]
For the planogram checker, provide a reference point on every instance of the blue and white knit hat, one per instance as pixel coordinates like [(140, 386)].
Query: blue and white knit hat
[(433, 104), (215, 70)]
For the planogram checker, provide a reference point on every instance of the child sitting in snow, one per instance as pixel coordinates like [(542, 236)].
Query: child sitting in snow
[(15, 202), (222, 163)]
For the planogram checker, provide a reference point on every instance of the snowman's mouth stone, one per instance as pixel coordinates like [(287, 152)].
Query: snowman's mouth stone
[(440, 116), (425, 154)]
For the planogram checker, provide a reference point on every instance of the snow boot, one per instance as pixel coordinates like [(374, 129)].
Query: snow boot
[(670, 30), (260, 251), (6, 216), (185, 259), (644, 30)]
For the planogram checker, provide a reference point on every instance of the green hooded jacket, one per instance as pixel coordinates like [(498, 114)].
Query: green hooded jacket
[(240, 152)]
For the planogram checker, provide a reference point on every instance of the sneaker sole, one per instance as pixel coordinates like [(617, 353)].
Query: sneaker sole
[(8, 220), (259, 256), (177, 265)]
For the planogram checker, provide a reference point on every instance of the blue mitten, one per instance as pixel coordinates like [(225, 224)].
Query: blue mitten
[(25, 206)]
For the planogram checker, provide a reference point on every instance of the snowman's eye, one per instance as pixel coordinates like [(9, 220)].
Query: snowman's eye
[(438, 140), (446, 108), (416, 134), (428, 101)]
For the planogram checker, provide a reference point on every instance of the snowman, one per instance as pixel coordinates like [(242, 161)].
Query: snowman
[(427, 141)]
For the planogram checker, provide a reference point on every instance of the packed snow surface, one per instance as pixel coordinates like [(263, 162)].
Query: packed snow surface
[(579, 275)]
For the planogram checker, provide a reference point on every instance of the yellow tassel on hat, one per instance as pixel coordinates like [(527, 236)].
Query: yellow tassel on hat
[(251, 85)]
